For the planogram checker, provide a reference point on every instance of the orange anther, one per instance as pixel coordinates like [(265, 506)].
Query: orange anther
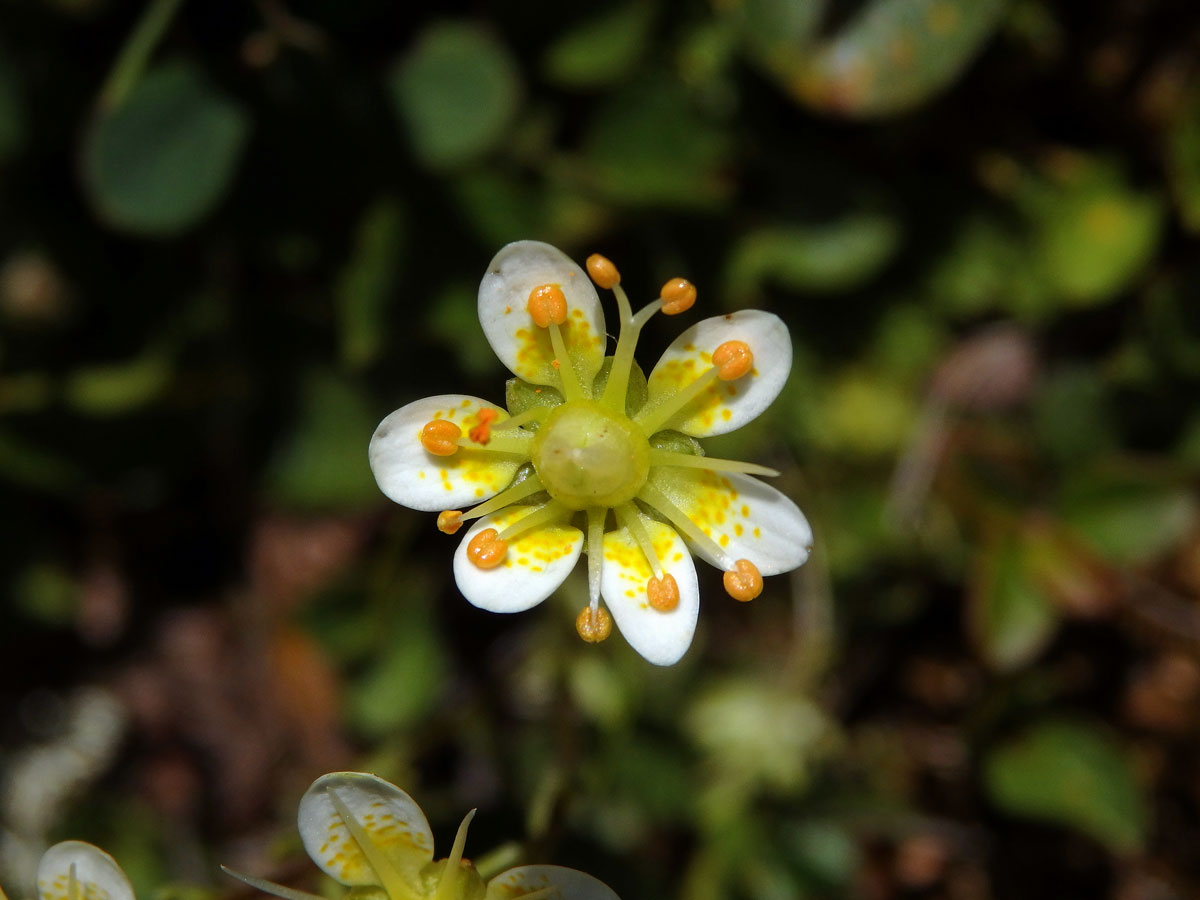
[(602, 271), (482, 433), (663, 593), (593, 625), (733, 359), (449, 521), (678, 295), (547, 304), (440, 437), (487, 550), (744, 581)]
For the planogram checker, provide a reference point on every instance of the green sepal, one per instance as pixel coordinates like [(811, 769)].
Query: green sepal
[(636, 392), (520, 395), (676, 442)]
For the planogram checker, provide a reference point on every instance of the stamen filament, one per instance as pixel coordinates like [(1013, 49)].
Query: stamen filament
[(530, 485), (547, 512), (270, 887), (654, 419), (689, 529), (622, 364), (72, 884), (516, 443), (595, 536), (390, 878), (628, 515), (713, 464), (533, 414), (445, 888), (646, 313), (567, 376)]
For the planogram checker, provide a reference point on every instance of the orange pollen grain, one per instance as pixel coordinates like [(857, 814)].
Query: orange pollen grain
[(678, 295), (440, 437), (602, 271), (486, 549), (482, 433), (743, 582), (449, 521), (593, 625), (733, 359), (663, 593), (547, 305)]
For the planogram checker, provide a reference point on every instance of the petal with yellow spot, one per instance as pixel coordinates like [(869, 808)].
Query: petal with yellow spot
[(548, 882), (661, 637), (391, 820), (410, 475), (724, 405), (537, 562), (96, 874), (744, 517), (516, 271)]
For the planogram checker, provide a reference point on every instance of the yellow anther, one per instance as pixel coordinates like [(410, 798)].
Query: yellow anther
[(487, 550), (547, 304), (678, 295), (449, 521), (663, 593), (733, 359), (593, 625), (744, 581), (482, 433), (440, 437), (603, 272)]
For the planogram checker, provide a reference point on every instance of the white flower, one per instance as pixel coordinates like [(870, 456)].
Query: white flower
[(591, 454), (370, 836), (74, 870)]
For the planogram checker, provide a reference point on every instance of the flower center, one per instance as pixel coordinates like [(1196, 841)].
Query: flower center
[(587, 455)]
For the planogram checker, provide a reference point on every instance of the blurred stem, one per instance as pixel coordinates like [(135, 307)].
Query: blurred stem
[(134, 55)]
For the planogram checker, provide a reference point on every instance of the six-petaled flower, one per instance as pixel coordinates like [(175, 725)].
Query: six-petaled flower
[(592, 454)]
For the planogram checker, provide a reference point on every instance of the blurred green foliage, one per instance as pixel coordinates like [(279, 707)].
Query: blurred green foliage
[(234, 236)]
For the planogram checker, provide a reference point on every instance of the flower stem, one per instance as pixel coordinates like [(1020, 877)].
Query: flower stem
[(136, 52), (713, 464)]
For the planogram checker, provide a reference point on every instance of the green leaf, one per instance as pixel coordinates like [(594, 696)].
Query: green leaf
[(368, 282), (1093, 233), (893, 56), (456, 93), (602, 49), (1128, 518), (118, 388), (1012, 617), (322, 464), (776, 31), (833, 256), (401, 686), (1071, 416), (1071, 774), (648, 146), (1183, 162), (159, 163)]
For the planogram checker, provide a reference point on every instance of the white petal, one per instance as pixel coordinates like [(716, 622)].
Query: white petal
[(746, 518), (97, 875), (504, 294), (661, 637), (725, 405), (536, 564), (571, 884), (391, 819), (411, 476)]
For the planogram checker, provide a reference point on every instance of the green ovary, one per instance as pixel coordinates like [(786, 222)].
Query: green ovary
[(587, 455)]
